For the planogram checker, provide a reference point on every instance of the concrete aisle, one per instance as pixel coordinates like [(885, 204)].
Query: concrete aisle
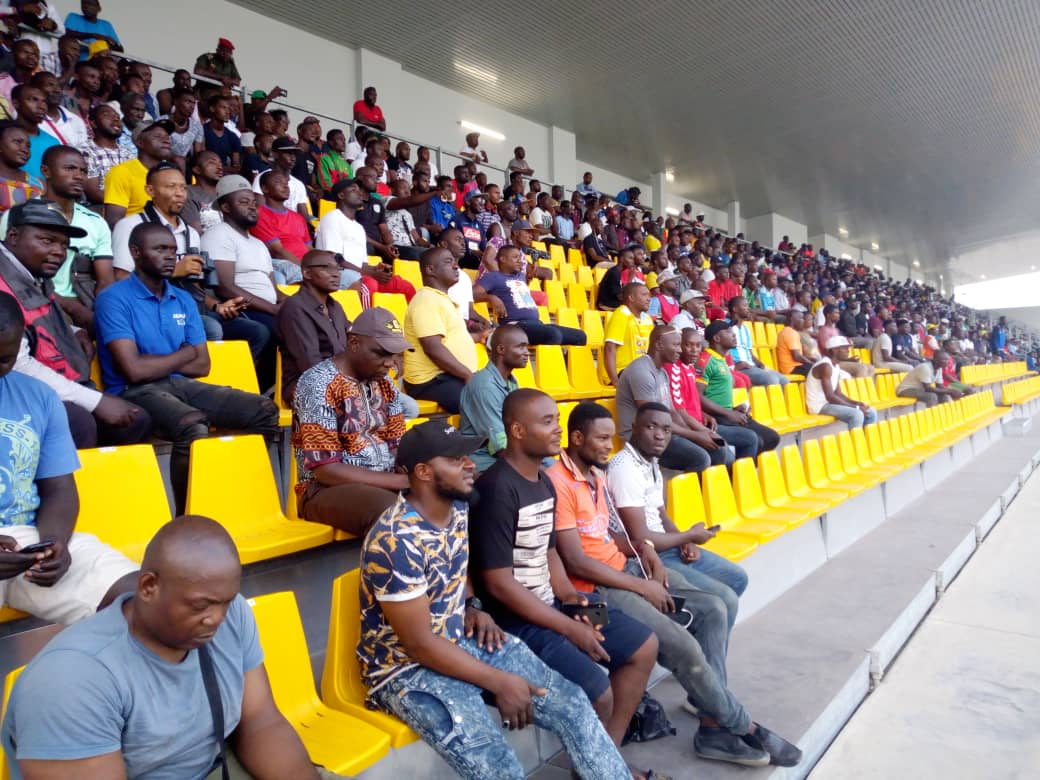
[(962, 701)]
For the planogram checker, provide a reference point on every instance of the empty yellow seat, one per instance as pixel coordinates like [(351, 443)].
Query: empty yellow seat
[(230, 479), (775, 492), (568, 318), (350, 301), (341, 685), (556, 255), (335, 740), (685, 507), (583, 376), (577, 297), (122, 499), (231, 365), (575, 257), (866, 473), (794, 396), (555, 296), (760, 408), (394, 302), (592, 324), (409, 271), (752, 504), (566, 274), (721, 507), (550, 373), (284, 410), (803, 482)]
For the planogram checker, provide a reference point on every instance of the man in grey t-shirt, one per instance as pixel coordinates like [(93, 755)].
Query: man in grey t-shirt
[(120, 694), (693, 446)]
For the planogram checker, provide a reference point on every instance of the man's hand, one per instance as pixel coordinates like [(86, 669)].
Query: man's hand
[(656, 594), (698, 534), (585, 636), (497, 307), (51, 567), (513, 699), (689, 552), (710, 423), (85, 342), (115, 411), (489, 636), (736, 417), (13, 563), (705, 440), (381, 273), (189, 265), (276, 92), (230, 308), (654, 565), (863, 407)]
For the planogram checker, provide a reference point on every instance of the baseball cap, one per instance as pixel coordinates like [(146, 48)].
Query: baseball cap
[(284, 144), (144, 127), (39, 212), (341, 185), (666, 275), (689, 295), (477, 194), (258, 94), (225, 43), (716, 328), (230, 184), (837, 341), (432, 439), (382, 325), (521, 224)]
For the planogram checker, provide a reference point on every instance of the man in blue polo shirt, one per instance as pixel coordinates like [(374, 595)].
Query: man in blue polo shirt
[(152, 347), (468, 223)]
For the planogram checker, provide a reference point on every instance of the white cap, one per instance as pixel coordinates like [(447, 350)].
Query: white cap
[(837, 341), (689, 295)]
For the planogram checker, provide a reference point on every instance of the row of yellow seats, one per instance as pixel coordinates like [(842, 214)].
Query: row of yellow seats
[(865, 390), (790, 487), (992, 372), (1021, 391), (782, 408)]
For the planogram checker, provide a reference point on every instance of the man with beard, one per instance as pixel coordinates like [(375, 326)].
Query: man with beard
[(103, 152)]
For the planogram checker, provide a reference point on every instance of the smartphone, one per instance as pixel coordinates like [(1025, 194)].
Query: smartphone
[(715, 528), (595, 611), (39, 547), (679, 601)]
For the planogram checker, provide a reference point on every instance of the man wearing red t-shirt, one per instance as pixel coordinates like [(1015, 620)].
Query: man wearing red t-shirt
[(282, 230), (722, 288), (367, 112)]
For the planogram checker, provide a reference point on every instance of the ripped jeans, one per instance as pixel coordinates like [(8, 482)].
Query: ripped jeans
[(450, 715)]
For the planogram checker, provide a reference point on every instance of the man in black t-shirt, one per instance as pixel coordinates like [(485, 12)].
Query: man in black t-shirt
[(522, 580)]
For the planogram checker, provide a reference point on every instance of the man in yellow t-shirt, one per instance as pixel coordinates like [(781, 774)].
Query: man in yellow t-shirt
[(628, 331), (445, 356), (124, 183)]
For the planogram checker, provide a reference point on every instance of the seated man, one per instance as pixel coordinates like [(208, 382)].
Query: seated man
[(184, 613), (709, 585), (686, 397), (444, 356), (694, 446), (903, 344), (831, 327), (521, 579), (345, 448), (509, 285), (124, 184), (691, 312), (58, 356), (881, 349), (284, 232), (717, 379), (622, 273), (628, 331), (743, 354), (423, 633), (481, 402), (152, 348), (664, 304), (74, 574), (924, 383), (822, 395), (789, 357)]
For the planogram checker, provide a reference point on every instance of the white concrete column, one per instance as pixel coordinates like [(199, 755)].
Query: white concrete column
[(659, 196), (733, 217)]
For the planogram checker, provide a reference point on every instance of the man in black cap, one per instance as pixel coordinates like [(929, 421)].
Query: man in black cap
[(285, 154), (125, 183), (33, 250), (345, 450), (422, 630)]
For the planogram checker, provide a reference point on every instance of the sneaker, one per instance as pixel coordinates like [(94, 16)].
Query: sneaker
[(781, 752), (690, 707), (721, 745)]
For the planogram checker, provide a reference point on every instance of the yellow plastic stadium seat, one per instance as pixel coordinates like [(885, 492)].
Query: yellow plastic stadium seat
[(335, 740), (794, 395), (575, 257), (861, 448), (568, 318), (592, 324), (767, 356), (774, 489), (482, 355), (374, 260), (581, 371), (772, 333), (740, 396), (796, 475), (555, 295), (758, 335), (350, 301), (230, 479), (556, 255), (535, 285), (567, 275), (289, 289), (550, 373), (284, 411), (585, 277), (870, 475), (524, 376), (539, 245), (324, 207), (760, 408), (122, 499), (752, 504), (686, 508), (721, 506), (231, 365), (543, 315), (9, 681), (426, 408), (395, 302), (409, 271), (565, 410), (577, 298), (341, 685)]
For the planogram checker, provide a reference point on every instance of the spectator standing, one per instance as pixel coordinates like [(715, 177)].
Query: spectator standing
[(519, 163), (45, 26), (367, 112), (472, 150), (219, 138), (16, 185), (86, 27), (219, 65), (585, 186)]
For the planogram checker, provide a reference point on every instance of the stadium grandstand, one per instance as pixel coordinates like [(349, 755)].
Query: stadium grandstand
[(397, 391)]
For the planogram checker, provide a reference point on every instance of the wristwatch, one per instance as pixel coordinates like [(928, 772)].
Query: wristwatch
[(648, 543), (474, 603)]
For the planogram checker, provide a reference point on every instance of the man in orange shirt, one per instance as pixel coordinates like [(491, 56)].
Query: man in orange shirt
[(789, 357)]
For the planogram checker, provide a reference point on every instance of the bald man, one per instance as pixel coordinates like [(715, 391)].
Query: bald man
[(122, 695)]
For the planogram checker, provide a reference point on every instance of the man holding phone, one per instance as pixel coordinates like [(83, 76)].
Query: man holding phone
[(521, 580)]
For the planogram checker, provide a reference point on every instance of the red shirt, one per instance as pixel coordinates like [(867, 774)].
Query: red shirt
[(287, 226), (721, 292), (369, 116), (682, 384)]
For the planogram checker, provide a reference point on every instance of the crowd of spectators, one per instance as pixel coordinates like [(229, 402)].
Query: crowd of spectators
[(142, 226)]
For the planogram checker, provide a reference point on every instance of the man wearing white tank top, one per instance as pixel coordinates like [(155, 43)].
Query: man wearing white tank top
[(822, 395)]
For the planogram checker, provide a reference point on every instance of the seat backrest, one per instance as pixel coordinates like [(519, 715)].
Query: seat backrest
[(849, 388), (555, 295), (740, 396), (577, 298), (231, 364), (906, 431), (524, 376), (350, 301), (539, 245), (543, 315), (684, 502), (409, 271), (581, 369), (777, 405), (847, 452), (760, 404), (832, 458), (556, 255), (9, 681), (772, 332), (286, 657), (747, 488), (795, 396), (758, 335), (719, 501), (341, 676), (815, 470), (567, 317), (575, 257), (862, 449), (565, 408), (876, 442), (794, 470), (585, 277), (767, 356), (550, 372), (394, 302), (230, 479), (566, 274), (482, 355), (872, 392), (592, 324), (122, 499), (771, 478)]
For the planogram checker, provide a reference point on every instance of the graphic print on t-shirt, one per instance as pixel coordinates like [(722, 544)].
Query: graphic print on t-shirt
[(534, 523)]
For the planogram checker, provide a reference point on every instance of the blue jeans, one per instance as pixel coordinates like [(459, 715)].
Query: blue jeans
[(540, 333), (683, 455), (286, 271), (743, 439), (711, 573), (852, 416), (764, 376), (450, 715)]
